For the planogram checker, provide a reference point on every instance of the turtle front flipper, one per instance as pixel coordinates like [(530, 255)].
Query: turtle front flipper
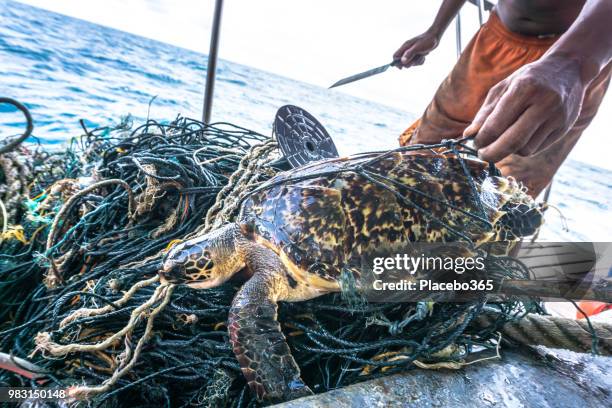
[(259, 345)]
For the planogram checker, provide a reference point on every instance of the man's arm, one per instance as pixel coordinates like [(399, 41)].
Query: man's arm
[(539, 103), (413, 51)]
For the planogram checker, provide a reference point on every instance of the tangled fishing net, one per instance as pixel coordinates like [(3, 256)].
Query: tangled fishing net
[(84, 232)]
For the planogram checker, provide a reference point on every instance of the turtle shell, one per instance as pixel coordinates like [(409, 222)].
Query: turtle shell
[(327, 216)]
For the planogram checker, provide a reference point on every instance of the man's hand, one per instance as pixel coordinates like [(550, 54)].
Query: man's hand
[(529, 110), (413, 51)]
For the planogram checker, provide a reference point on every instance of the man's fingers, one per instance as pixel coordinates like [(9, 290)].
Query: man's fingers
[(484, 111), (514, 138), (413, 56), (401, 50), (508, 107), (418, 60), (539, 137), (408, 56), (472, 129), (398, 54), (479, 119), (552, 138)]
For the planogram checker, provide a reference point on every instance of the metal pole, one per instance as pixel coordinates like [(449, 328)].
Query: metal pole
[(458, 32), (212, 62), (480, 5)]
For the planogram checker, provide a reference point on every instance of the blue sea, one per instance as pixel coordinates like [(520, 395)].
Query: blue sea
[(65, 69)]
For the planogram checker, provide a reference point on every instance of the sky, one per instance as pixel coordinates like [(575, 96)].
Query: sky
[(315, 41)]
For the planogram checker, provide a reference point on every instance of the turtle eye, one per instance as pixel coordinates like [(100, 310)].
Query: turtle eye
[(205, 264)]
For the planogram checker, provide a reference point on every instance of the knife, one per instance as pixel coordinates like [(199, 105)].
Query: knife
[(365, 74)]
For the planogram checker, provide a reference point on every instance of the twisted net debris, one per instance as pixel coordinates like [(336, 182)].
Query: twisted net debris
[(80, 277)]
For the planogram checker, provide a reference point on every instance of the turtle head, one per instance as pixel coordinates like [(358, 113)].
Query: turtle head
[(203, 262)]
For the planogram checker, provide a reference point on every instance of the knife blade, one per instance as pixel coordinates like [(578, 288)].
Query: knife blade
[(362, 75)]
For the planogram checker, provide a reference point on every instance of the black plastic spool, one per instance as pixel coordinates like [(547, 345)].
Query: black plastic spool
[(301, 138)]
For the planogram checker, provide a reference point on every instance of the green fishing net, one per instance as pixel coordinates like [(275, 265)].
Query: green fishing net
[(67, 246)]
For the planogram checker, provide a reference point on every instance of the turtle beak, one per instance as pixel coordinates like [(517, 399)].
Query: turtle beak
[(172, 272)]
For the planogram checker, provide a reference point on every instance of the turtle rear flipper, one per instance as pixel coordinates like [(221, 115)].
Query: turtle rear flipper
[(257, 340)]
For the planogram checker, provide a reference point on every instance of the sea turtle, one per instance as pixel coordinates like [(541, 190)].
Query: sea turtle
[(297, 233)]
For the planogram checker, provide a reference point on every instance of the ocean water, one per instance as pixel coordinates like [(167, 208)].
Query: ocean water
[(65, 69)]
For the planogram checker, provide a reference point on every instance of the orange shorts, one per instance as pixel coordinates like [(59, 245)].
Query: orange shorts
[(491, 56)]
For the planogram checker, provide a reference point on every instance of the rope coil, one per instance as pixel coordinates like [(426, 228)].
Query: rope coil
[(11, 145)]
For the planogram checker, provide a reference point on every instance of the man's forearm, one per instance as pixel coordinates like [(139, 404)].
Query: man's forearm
[(589, 39), (448, 10)]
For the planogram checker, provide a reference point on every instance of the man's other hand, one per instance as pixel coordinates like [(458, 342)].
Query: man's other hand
[(529, 110), (413, 51)]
